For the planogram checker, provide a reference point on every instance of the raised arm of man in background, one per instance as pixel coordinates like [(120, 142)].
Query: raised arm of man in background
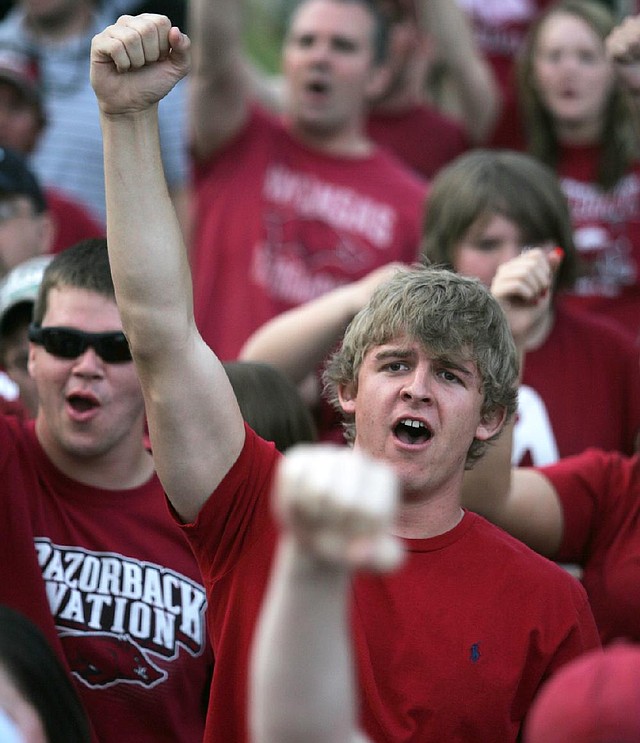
[(220, 84), (195, 424), (474, 85)]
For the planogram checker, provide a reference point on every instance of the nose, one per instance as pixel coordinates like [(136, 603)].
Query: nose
[(568, 63), (319, 52), (88, 364), (417, 387)]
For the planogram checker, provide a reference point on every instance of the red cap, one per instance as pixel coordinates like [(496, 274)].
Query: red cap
[(593, 699)]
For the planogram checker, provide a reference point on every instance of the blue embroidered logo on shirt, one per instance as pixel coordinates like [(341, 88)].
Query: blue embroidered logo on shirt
[(474, 652)]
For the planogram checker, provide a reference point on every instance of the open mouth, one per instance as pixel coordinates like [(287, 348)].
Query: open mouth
[(411, 431), (81, 404), (318, 87)]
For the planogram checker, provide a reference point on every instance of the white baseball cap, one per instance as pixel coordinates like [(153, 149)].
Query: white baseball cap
[(21, 284)]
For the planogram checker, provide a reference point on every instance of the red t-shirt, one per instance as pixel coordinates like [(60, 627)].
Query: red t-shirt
[(580, 389), (21, 584), (452, 647), (278, 224), (422, 137), (600, 497), (72, 221), (12, 407), (607, 235), (115, 587)]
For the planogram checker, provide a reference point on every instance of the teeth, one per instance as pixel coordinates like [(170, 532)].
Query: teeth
[(413, 424)]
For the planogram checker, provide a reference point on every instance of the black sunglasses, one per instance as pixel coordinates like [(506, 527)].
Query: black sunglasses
[(69, 343)]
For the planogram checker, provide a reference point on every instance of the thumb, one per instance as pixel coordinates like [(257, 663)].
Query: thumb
[(555, 258), (180, 45)]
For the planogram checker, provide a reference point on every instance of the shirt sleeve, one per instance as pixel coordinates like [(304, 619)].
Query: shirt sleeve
[(591, 488)]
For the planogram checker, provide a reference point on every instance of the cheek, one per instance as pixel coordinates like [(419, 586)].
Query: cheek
[(540, 71), (49, 376), (126, 386), (290, 61), (17, 241), (24, 134), (479, 265), (544, 74), (601, 85)]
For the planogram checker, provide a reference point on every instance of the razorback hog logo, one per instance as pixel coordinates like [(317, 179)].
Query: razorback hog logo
[(101, 660)]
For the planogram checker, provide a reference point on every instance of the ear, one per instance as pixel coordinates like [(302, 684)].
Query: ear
[(347, 396), (31, 363), (491, 424), (379, 81), (47, 230)]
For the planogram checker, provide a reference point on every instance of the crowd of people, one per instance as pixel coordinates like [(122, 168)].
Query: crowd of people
[(316, 387)]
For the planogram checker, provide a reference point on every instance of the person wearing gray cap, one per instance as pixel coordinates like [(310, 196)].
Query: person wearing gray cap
[(18, 292)]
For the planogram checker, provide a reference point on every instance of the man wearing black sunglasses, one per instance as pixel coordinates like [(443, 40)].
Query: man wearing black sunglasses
[(112, 580), (69, 343)]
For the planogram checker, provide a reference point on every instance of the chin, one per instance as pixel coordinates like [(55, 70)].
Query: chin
[(81, 447)]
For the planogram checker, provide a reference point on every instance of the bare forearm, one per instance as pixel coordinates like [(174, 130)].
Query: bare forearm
[(219, 82), (140, 214), (297, 341), (215, 28), (135, 62), (487, 486), (473, 78), (301, 674)]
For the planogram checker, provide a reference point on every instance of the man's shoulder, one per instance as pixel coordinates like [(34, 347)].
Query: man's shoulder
[(12, 424), (251, 473), (247, 146), (521, 560), (391, 166), (17, 446), (595, 466)]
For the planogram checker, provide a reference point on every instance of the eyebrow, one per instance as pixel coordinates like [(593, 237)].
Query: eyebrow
[(444, 360), (457, 365), (394, 352)]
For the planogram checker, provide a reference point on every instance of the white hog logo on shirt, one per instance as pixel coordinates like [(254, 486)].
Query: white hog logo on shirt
[(603, 222), (116, 616), (499, 25), (497, 12), (317, 235)]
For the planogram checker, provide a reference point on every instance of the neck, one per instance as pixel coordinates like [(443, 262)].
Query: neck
[(347, 142), (398, 100), (540, 332), (421, 519), (582, 133), (122, 467), (399, 95)]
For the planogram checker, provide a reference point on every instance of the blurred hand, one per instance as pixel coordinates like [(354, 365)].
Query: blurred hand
[(339, 505), (523, 286), (623, 48)]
